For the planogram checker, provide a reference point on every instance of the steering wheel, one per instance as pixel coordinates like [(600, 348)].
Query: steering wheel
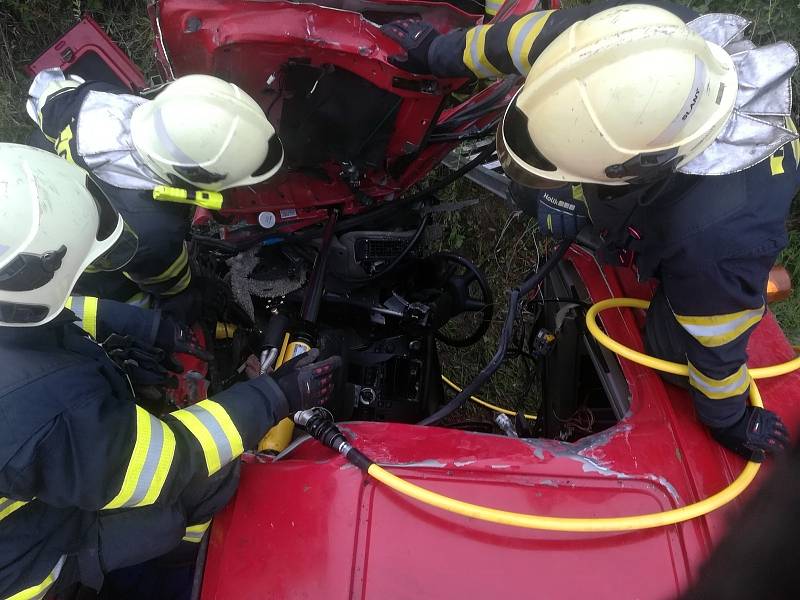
[(469, 293)]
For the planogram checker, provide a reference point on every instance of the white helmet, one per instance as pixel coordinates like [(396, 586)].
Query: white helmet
[(627, 95), (208, 133), (54, 222)]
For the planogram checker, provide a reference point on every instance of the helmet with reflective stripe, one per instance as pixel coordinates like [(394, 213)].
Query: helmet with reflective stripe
[(627, 95), (208, 133), (54, 222)]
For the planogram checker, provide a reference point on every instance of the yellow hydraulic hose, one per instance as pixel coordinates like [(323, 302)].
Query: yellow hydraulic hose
[(488, 405), (646, 521)]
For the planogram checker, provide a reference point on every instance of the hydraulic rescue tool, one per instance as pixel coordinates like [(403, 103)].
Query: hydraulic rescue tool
[(302, 339)]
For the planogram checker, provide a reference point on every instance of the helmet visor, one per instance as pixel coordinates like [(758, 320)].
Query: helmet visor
[(518, 153), (126, 245), (120, 254)]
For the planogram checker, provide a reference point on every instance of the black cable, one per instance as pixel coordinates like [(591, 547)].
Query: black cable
[(351, 222), (391, 207), (505, 337), (396, 261)]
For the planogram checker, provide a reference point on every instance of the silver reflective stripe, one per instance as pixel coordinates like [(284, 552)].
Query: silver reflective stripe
[(719, 390), (713, 330), (516, 56), (679, 122), (492, 6), (78, 308), (475, 54), (150, 462), (210, 422), (39, 591)]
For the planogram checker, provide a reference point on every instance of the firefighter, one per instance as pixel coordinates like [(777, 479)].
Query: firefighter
[(89, 481), (199, 133), (672, 134)]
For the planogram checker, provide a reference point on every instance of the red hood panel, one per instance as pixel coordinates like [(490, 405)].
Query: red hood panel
[(300, 530)]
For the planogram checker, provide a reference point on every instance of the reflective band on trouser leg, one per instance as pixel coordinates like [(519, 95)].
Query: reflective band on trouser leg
[(9, 505), (173, 280), (474, 52), (720, 389), (213, 428), (194, 533), (85, 308), (38, 591), (150, 463), (493, 6), (521, 37), (718, 330)]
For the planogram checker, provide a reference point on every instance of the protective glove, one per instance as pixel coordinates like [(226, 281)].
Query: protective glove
[(305, 382), (759, 432), (560, 214), (144, 364), (415, 37), (204, 300), (173, 337)]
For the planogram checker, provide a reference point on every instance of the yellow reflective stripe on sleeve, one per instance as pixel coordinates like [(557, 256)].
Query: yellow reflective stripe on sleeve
[(85, 308), (90, 316), (522, 36), (151, 459), (182, 284), (68, 303), (171, 271), (62, 144), (37, 592), (776, 162), (493, 6), (795, 143), (194, 533), (720, 389), (9, 505), (213, 428), (718, 330), (475, 52)]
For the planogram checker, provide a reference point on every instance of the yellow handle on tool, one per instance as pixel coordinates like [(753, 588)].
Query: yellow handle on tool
[(202, 198), (278, 438)]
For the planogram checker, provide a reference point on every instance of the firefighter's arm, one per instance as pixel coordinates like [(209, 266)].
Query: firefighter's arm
[(53, 90), (163, 275), (100, 318), (512, 45), (103, 454)]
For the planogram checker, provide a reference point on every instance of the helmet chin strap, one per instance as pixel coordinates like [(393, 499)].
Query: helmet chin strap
[(758, 125)]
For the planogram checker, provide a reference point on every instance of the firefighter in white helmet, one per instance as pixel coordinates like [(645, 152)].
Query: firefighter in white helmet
[(199, 133), (89, 481), (672, 133)]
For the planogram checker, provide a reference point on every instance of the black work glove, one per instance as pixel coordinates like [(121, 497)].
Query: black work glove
[(173, 337), (559, 214), (305, 382), (415, 37), (144, 364), (759, 432), (204, 300)]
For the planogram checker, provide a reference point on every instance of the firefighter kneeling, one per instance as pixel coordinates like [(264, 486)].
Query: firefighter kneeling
[(89, 481)]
